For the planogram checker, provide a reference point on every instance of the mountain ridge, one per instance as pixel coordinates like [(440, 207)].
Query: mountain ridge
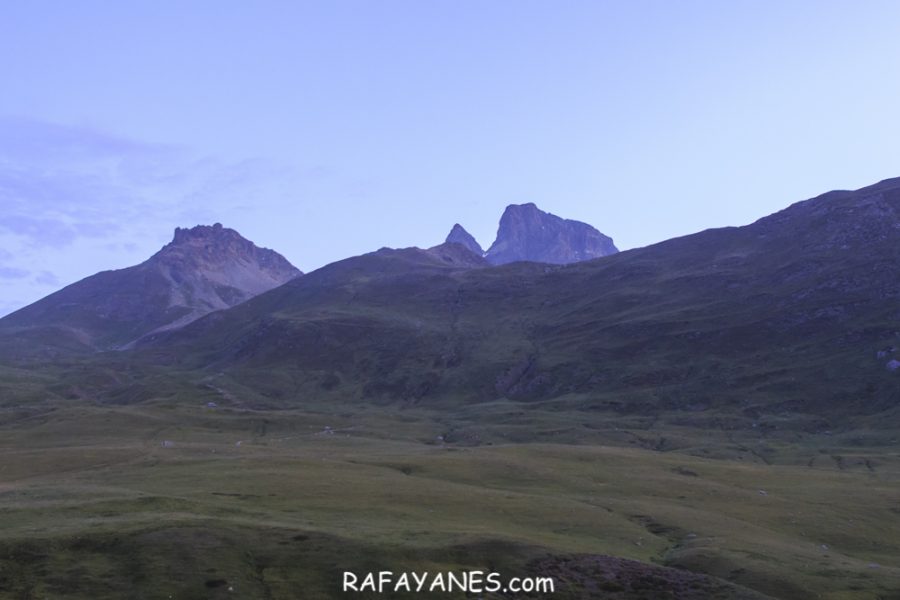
[(526, 233), (204, 268), (763, 313)]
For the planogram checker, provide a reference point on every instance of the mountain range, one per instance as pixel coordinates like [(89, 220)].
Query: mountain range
[(210, 268), (713, 416), (802, 299), (527, 233)]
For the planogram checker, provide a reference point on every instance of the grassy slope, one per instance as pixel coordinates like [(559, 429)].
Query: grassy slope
[(783, 316), (94, 506), (633, 406)]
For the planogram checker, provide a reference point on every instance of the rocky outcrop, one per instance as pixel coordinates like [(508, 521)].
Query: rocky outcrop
[(527, 233), (218, 267), (458, 235), (203, 269), (213, 267)]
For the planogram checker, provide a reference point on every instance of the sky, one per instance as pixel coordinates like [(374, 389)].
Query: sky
[(329, 129)]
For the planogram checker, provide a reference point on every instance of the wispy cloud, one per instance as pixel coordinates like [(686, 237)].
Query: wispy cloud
[(47, 278), (76, 200), (60, 184), (13, 273)]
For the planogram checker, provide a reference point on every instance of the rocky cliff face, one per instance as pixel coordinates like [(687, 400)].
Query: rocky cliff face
[(458, 235), (527, 233), (212, 267), (202, 269)]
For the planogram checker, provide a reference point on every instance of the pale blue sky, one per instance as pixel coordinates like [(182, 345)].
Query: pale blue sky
[(328, 129)]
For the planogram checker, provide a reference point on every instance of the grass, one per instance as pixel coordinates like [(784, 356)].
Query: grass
[(718, 403), (93, 505)]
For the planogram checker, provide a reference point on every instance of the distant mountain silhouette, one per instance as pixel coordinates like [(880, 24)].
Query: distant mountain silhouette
[(527, 233), (796, 312), (784, 314), (202, 269)]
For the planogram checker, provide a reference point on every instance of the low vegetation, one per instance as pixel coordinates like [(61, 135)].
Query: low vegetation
[(206, 499)]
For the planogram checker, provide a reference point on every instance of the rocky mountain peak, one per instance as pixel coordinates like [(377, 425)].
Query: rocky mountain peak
[(219, 267), (216, 240), (527, 207), (458, 235), (217, 247), (203, 268), (527, 233), (185, 235)]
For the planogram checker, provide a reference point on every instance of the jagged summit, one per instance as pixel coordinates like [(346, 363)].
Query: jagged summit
[(215, 234), (458, 235), (204, 268), (527, 233), (214, 267), (214, 247), (803, 299), (213, 231), (209, 237)]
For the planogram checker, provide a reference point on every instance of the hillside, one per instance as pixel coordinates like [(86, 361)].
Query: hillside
[(786, 315), (714, 416), (201, 270)]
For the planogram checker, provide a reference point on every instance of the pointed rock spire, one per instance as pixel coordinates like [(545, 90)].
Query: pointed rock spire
[(458, 235)]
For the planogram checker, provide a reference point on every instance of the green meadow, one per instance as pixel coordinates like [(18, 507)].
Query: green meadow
[(177, 499)]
